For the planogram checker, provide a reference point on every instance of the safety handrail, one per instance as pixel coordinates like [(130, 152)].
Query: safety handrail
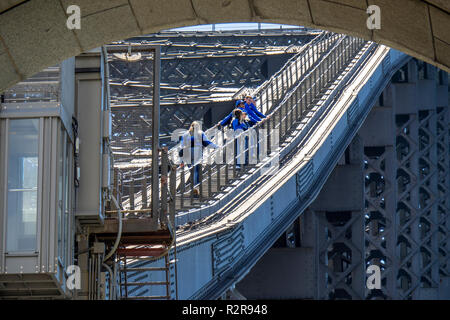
[(291, 109), (324, 63), (295, 68)]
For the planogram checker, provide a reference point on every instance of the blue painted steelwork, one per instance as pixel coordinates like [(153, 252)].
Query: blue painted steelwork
[(213, 258)]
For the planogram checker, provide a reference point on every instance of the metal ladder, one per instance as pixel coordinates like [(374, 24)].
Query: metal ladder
[(140, 286)]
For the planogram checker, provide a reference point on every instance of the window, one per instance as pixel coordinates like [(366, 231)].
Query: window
[(22, 203)]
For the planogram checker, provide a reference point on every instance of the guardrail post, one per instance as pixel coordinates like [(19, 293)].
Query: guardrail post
[(182, 185), (347, 50), (309, 90), (303, 65), (200, 179), (144, 191), (234, 158), (265, 101), (227, 179), (173, 193), (244, 151), (131, 192), (282, 119), (120, 188), (209, 178), (218, 178), (272, 99), (321, 76), (338, 59), (291, 111), (317, 90), (286, 116), (115, 186), (302, 98), (309, 58), (334, 63), (344, 51), (313, 86), (192, 184), (164, 185), (344, 54), (279, 92), (229, 145), (290, 76), (329, 66), (268, 122)]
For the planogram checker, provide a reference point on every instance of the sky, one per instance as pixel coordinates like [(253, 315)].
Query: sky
[(235, 26)]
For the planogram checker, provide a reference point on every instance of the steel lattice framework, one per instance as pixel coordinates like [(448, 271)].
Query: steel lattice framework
[(340, 245), (131, 97), (185, 41), (406, 199), (196, 69), (233, 70), (341, 255), (443, 205)]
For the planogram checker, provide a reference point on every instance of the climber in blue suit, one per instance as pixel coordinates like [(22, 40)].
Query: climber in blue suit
[(197, 146), (241, 106), (241, 122), (250, 108)]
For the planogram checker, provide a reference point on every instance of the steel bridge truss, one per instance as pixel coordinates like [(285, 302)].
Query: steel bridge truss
[(407, 203), (176, 42)]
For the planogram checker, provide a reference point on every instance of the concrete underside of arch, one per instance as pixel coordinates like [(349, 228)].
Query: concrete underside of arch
[(34, 35)]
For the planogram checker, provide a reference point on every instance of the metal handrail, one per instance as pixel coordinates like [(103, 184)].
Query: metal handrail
[(303, 81), (293, 63), (300, 61), (294, 66), (293, 106)]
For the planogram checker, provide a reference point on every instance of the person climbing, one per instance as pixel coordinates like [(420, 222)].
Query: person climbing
[(198, 140), (240, 105), (250, 108), (240, 123)]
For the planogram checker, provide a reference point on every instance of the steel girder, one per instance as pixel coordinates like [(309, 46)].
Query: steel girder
[(407, 197)]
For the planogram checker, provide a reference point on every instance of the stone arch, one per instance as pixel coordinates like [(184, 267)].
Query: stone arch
[(33, 33)]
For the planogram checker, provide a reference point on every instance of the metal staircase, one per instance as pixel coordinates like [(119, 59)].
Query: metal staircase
[(296, 98)]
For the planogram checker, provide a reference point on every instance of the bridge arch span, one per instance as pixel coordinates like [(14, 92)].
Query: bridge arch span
[(34, 35)]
